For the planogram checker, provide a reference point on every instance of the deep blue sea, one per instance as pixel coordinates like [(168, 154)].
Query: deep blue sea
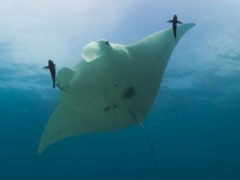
[(194, 123)]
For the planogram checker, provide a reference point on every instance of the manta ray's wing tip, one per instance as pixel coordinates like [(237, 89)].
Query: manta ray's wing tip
[(40, 149), (191, 24), (43, 145)]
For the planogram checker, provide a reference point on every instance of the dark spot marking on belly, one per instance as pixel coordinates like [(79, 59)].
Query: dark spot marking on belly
[(106, 108), (114, 106), (129, 92), (116, 85)]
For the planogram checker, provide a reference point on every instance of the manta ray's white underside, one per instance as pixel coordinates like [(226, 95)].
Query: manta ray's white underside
[(113, 87)]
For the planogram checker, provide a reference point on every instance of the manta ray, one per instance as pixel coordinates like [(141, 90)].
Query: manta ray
[(112, 87)]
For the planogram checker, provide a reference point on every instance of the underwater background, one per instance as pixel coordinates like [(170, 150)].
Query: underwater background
[(194, 124)]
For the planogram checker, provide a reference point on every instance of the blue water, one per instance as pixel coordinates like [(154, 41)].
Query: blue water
[(194, 138), (193, 125)]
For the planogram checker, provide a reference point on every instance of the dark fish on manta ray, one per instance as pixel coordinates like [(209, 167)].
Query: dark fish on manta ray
[(52, 69), (174, 22)]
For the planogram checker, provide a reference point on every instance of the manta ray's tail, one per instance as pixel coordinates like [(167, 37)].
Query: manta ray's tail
[(150, 143), (147, 137)]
